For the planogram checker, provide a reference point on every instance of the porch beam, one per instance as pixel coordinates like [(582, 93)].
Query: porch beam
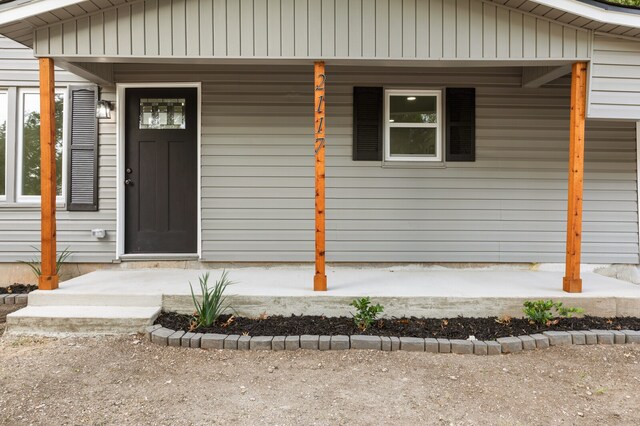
[(572, 282), (48, 279), (320, 278), (97, 72), (533, 77)]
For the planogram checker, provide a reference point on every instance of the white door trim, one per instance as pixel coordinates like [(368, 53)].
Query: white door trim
[(120, 154), (638, 180)]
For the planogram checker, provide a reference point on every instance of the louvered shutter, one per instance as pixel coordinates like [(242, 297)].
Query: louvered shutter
[(82, 189), (367, 123), (461, 124)]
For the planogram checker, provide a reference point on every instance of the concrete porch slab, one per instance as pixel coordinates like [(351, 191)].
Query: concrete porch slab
[(403, 290)]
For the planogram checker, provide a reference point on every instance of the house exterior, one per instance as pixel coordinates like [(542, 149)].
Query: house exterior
[(447, 130)]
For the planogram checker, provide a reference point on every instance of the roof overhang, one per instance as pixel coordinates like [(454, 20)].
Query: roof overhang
[(19, 10), (587, 14), (595, 11)]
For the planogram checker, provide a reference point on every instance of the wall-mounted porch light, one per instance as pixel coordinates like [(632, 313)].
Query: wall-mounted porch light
[(103, 109)]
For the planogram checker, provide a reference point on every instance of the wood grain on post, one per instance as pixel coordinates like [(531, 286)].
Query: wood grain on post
[(320, 278), (572, 282), (48, 279)]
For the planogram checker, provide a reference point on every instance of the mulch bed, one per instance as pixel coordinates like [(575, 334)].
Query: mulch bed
[(452, 328), (18, 289)]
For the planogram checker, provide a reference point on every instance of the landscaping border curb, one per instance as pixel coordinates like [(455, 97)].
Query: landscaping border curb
[(14, 299), (504, 345)]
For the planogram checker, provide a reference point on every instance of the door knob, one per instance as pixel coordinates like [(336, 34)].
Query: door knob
[(128, 182)]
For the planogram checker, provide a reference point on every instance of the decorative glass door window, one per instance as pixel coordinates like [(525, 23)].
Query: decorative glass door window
[(162, 114), (412, 125)]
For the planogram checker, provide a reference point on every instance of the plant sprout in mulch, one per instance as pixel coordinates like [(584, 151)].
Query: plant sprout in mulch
[(451, 328), (18, 289)]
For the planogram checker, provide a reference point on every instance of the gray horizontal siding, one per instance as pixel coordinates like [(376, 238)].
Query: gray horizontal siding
[(508, 206), (615, 79), (374, 29), (19, 68), (20, 223)]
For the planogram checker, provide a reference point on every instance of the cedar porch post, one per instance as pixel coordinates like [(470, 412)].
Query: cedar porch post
[(572, 282), (48, 279), (320, 278)]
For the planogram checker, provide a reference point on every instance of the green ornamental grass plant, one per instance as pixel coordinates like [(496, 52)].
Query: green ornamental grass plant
[(213, 302), (34, 264)]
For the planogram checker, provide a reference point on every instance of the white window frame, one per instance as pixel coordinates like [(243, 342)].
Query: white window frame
[(3, 197), (19, 148), (388, 125)]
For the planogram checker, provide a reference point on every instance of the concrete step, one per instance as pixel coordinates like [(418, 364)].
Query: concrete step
[(65, 297), (56, 320)]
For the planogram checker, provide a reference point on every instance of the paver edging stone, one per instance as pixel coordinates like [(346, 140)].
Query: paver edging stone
[(14, 299), (165, 337)]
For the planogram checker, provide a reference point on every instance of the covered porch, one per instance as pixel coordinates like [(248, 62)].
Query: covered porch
[(277, 181), (319, 86)]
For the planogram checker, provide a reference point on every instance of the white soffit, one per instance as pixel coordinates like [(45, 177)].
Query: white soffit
[(19, 18), (18, 10), (583, 14)]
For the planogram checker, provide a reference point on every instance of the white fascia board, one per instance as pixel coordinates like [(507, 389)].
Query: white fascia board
[(593, 12), (26, 10)]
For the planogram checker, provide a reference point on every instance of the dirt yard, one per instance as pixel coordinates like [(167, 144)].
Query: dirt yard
[(4, 310), (122, 381)]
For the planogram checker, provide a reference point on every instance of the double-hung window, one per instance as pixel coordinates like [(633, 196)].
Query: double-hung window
[(28, 149), (413, 125)]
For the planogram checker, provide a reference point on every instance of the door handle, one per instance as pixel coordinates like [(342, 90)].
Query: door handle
[(128, 182)]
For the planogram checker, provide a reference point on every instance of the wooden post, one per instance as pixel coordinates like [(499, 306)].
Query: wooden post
[(572, 282), (320, 278), (49, 278)]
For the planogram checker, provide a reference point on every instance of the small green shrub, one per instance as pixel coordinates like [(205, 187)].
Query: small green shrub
[(35, 263), (566, 312), (366, 314), (541, 311), (213, 302)]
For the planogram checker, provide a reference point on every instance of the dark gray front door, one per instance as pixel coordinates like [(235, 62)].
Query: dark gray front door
[(161, 170)]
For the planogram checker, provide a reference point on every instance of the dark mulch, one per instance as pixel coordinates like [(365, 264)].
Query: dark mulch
[(18, 289), (452, 328)]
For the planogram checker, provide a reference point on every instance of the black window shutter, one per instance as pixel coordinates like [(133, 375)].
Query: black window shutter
[(367, 123), (461, 124), (82, 186)]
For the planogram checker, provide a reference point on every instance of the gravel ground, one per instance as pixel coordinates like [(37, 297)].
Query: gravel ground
[(127, 380)]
